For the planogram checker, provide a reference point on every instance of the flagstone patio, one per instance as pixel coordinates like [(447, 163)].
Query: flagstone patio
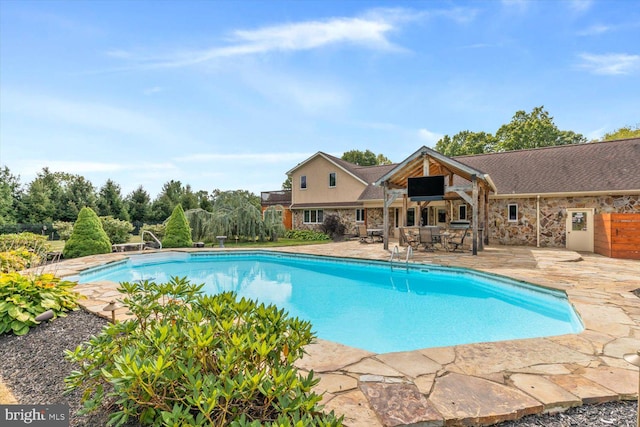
[(474, 384)]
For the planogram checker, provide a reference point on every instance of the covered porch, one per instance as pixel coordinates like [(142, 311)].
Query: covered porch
[(459, 182)]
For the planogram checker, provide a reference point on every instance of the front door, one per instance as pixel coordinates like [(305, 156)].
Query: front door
[(580, 229)]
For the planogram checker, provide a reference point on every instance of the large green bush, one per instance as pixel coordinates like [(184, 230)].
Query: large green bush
[(177, 233), (32, 242), (22, 298), (191, 360), (117, 230), (23, 250), (88, 236), (306, 235)]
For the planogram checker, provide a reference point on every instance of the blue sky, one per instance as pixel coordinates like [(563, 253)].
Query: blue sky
[(232, 94)]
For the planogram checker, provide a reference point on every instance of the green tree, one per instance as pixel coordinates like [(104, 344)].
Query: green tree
[(167, 200), (188, 199), (235, 198), (88, 236), (365, 158), (204, 201), (139, 205), (623, 133), (465, 143), (286, 185), (9, 197), (177, 232), (43, 198), (78, 192), (110, 201), (533, 130)]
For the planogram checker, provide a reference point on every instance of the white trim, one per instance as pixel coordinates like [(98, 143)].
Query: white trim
[(568, 194), (335, 179), (509, 212)]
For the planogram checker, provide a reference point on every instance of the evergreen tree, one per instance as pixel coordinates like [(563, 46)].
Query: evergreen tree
[(110, 201), (88, 236), (177, 233), (139, 205)]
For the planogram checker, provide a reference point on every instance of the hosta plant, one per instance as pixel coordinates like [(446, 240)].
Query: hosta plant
[(23, 298), (186, 359)]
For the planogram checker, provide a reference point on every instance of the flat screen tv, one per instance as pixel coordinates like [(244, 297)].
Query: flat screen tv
[(426, 187)]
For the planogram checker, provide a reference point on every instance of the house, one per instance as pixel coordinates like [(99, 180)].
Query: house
[(280, 200), (548, 197)]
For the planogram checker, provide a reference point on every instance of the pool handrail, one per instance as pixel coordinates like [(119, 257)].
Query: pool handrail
[(153, 236)]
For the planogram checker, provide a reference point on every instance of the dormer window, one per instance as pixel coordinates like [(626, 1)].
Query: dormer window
[(303, 182), (332, 179)]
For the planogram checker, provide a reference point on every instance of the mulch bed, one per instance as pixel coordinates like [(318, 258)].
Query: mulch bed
[(34, 368)]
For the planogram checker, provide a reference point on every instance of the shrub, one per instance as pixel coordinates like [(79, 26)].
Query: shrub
[(177, 233), (333, 226), (22, 298), (306, 235), (158, 230), (88, 237), (63, 228), (117, 230), (34, 243), (189, 359), (17, 260)]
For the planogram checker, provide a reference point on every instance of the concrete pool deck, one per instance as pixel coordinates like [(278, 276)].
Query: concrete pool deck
[(474, 384)]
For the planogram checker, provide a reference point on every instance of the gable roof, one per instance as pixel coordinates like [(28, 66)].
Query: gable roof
[(579, 168), (349, 168)]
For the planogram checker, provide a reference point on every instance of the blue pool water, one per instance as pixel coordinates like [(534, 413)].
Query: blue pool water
[(366, 304)]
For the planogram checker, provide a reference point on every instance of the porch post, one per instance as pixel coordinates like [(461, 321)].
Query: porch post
[(385, 216), (475, 206)]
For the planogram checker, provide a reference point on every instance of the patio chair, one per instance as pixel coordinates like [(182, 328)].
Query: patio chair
[(457, 243), (426, 238), (408, 239), (363, 235)]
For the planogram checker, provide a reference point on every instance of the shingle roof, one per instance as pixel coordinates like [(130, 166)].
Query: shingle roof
[(596, 166)]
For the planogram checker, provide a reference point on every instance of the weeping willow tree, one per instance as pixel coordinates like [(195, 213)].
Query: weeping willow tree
[(272, 220), (232, 215)]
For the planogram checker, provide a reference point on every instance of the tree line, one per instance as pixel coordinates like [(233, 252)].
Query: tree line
[(59, 196)]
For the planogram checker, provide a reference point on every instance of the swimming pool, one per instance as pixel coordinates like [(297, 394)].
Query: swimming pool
[(367, 304)]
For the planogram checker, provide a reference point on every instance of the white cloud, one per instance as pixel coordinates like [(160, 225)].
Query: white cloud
[(33, 166), (369, 32), (430, 137), (610, 63), (152, 90), (580, 5), (83, 114), (595, 30), (245, 157)]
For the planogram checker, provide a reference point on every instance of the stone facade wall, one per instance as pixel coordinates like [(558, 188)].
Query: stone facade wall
[(553, 215), (347, 216)]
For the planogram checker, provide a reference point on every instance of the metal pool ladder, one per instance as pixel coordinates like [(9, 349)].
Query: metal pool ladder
[(396, 251), (153, 236)]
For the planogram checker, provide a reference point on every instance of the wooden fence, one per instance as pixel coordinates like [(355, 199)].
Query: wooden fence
[(617, 235)]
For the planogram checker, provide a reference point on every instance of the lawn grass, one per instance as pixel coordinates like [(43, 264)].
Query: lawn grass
[(58, 245)]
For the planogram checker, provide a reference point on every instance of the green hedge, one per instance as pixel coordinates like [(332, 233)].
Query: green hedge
[(177, 233)]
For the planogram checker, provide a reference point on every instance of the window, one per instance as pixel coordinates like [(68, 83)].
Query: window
[(442, 216), (313, 216), (411, 217), (513, 213), (332, 179), (359, 215), (462, 212), (303, 182)]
